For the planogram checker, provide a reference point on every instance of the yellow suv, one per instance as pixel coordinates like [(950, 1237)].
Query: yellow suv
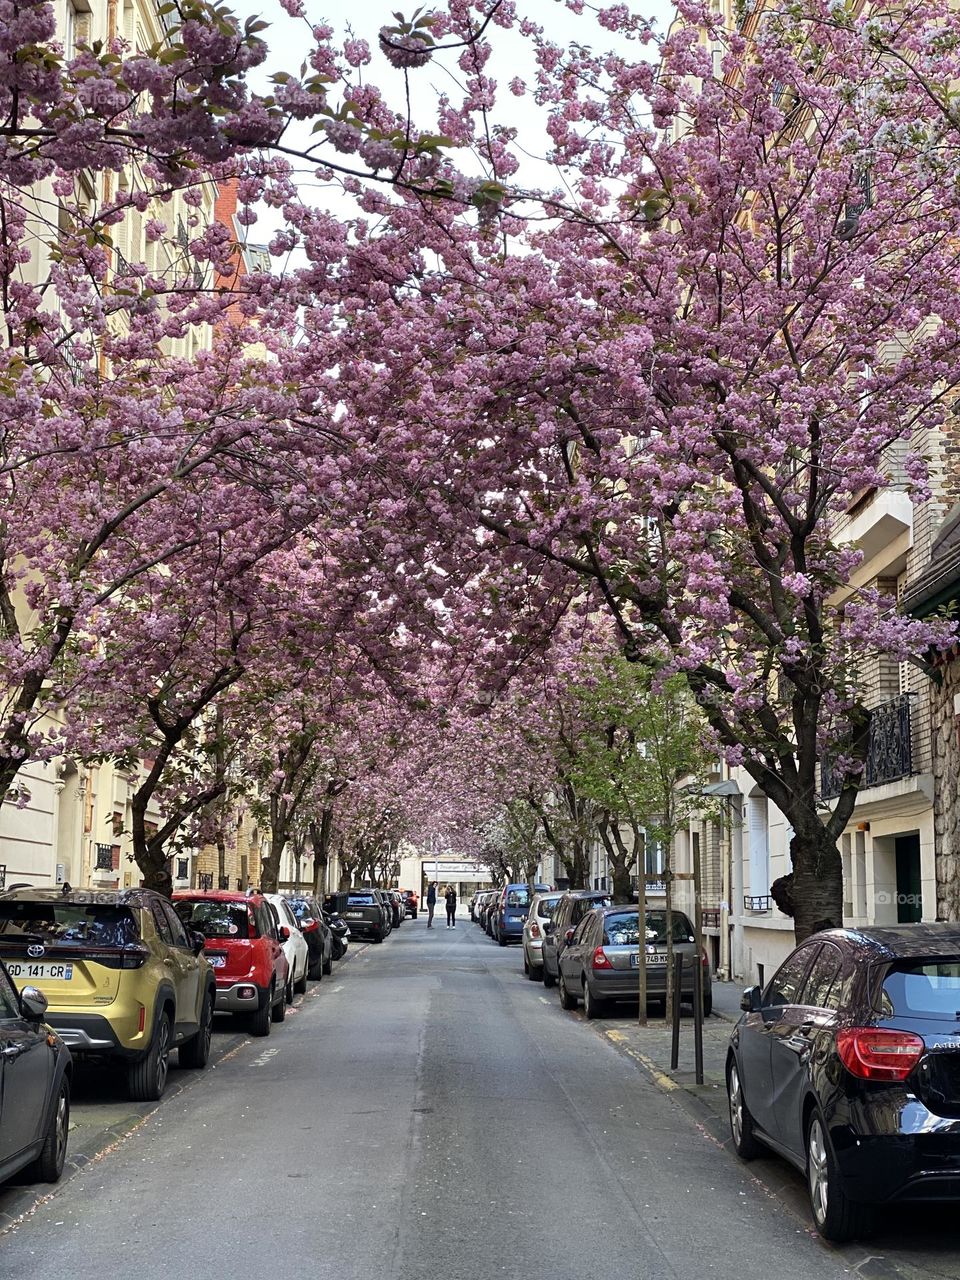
[(122, 976)]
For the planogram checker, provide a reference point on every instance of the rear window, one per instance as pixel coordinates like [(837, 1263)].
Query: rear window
[(582, 905), (361, 900), (518, 897), (302, 909), (922, 989), (622, 930), (216, 919), (66, 924), (546, 907)]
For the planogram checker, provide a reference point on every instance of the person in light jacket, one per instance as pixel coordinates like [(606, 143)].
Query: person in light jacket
[(451, 900)]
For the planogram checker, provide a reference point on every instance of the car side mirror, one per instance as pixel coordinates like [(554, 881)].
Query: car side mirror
[(197, 942), (750, 1000), (568, 936), (33, 1004), (283, 932)]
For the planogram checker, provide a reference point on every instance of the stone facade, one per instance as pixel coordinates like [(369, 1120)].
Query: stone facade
[(945, 720)]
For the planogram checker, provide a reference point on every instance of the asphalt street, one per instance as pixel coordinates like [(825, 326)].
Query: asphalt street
[(426, 1112)]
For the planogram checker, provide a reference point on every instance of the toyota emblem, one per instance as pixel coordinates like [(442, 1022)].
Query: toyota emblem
[(35, 950)]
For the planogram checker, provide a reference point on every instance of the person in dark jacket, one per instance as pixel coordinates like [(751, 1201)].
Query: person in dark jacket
[(431, 902), (451, 900)]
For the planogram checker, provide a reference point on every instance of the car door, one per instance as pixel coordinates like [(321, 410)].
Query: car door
[(571, 957), (756, 1032), (26, 1067), (173, 965), (550, 934), (300, 948), (793, 1039), (189, 970)]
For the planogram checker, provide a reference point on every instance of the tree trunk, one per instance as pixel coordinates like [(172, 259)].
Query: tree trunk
[(813, 891), (320, 840)]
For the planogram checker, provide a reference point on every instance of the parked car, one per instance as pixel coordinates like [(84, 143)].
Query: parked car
[(293, 942), (489, 914), (316, 933), (411, 902), (243, 945), (398, 910), (365, 914), (35, 1072), (600, 962), (511, 911), (847, 1065), (540, 913), (570, 910), (122, 976)]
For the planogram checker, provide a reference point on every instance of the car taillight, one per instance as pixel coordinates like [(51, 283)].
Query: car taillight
[(704, 958), (876, 1053), (308, 926), (134, 956), (601, 960), (131, 956), (534, 930)]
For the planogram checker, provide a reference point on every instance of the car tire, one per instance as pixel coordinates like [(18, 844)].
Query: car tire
[(279, 1010), (260, 1021), (378, 937), (835, 1216), (567, 1000), (300, 985), (526, 963), (592, 1007), (147, 1076), (327, 966), (742, 1129), (548, 979), (315, 971), (195, 1054), (501, 940), (707, 1003), (48, 1166), (535, 973)]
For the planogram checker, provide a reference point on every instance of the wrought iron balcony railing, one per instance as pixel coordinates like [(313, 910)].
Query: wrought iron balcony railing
[(889, 750), (757, 902)]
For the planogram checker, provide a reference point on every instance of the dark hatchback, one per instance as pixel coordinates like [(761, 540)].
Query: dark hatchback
[(568, 913), (316, 933), (364, 914), (848, 1064)]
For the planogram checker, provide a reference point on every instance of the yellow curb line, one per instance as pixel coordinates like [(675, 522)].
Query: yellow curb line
[(661, 1079)]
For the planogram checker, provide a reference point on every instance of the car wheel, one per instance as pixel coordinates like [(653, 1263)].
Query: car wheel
[(147, 1077), (300, 985), (592, 1007), (260, 1021), (536, 973), (501, 940), (327, 966), (279, 1010), (196, 1052), (741, 1121), (378, 937), (316, 971), (48, 1165), (567, 1001), (526, 963), (548, 979), (707, 1003), (835, 1215)]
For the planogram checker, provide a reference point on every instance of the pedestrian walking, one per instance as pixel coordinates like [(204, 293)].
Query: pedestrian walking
[(451, 900), (431, 902)]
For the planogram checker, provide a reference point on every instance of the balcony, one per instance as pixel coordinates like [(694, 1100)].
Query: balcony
[(758, 903), (889, 751)]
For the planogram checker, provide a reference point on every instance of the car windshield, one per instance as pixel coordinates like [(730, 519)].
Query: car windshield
[(215, 919), (928, 988), (361, 900), (66, 924), (621, 930), (518, 897)]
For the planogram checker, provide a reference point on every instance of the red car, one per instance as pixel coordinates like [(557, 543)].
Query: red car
[(411, 902), (243, 944)]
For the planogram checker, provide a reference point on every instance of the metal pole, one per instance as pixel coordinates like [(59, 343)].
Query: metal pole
[(642, 935), (698, 966), (677, 980)]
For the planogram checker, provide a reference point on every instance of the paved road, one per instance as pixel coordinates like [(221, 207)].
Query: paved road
[(427, 1113)]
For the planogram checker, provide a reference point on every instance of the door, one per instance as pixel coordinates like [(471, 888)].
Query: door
[(909, 892), (180, 964), (759, 1028), (26, 1065), (793, 1039), (571, 958)]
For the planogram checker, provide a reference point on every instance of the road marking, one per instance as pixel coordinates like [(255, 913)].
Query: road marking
[(264, 1057), (660, 1077), (543, 1000), (334, 990)]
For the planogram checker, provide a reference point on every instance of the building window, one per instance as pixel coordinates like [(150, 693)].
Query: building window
[(104, 860), (759, 835), (183, 868)]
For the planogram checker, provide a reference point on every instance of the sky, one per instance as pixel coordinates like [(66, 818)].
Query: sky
[(511, 57)]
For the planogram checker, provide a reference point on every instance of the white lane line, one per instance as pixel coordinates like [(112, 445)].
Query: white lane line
[(264, 1058)]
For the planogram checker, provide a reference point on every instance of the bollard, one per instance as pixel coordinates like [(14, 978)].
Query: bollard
[(698, 1019), (677, 979)]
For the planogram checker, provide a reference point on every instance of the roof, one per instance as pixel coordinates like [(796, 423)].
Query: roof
[(939, 583), (76, 897), (904, 941), (215, 895)]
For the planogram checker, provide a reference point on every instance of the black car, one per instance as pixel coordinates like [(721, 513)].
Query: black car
[(848, 1064), (365, 914), (316, 933), (35, 1070), (570, 910)]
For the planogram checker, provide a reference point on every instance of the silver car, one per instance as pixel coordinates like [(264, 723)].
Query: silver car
[(541, 910), (601, 960)]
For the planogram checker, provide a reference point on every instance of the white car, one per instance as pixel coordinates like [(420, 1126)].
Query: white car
[(294, 945), (541, 909)]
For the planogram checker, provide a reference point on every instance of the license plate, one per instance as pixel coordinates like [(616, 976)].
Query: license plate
[(38, 970), (217, 962), (354, 915), (653, 957)]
